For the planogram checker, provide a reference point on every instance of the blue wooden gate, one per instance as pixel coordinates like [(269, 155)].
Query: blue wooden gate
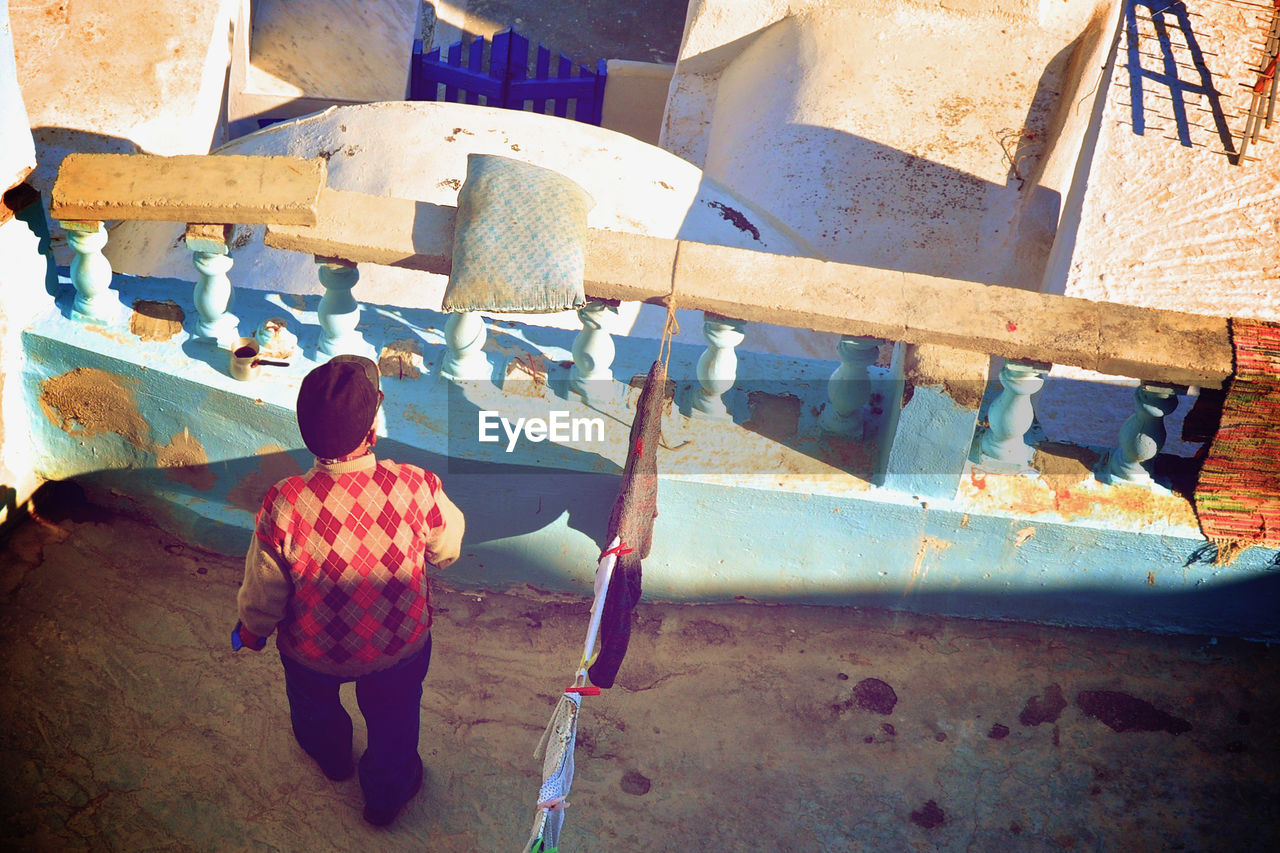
[(506, 82)]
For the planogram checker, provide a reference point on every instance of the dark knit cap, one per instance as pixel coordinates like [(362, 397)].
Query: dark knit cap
[(337, 404)]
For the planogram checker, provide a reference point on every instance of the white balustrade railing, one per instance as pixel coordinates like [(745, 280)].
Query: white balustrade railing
[(1003, 442), (849, 388), (593, 352), (1142, 436), (718, 366), (1001, 445), (95, 301)]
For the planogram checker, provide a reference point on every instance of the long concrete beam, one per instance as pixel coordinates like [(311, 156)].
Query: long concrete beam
[(230, 189), (1151, 344), (288, 194)]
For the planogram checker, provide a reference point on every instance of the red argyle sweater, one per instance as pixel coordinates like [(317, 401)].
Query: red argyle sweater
[(351, 539)]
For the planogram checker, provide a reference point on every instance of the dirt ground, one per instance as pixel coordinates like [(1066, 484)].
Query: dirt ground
[(129, 724)]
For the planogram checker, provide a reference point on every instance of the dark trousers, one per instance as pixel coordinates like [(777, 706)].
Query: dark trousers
[(391, 701)]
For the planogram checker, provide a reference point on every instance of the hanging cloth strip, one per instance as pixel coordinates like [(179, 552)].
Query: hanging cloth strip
[(636, 507), (557, 743), (617, 591), (632, 522)]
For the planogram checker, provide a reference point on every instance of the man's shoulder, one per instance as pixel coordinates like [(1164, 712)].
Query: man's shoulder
[(287, 488), (409, 473)]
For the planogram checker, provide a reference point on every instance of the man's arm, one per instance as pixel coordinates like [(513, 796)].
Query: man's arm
[(444, 543), (264, 594)]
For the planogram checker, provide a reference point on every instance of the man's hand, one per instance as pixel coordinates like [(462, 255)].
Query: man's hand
[(243, 638), (251, 640)]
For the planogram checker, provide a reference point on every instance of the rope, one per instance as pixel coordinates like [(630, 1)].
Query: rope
[(670, 328)]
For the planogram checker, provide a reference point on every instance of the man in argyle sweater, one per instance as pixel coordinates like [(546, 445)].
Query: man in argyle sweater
[(336, 566)]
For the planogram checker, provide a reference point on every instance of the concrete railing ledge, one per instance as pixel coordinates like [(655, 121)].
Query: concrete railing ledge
[(301, 214)]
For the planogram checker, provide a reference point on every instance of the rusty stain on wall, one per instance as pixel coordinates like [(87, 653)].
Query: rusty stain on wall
[(274, 464), (526, 376), (156, 321), (918, 570), (110, 335), (184, 460), (86, 402), (1064, 466), (775, 416), (401, 359), (1067, 487)]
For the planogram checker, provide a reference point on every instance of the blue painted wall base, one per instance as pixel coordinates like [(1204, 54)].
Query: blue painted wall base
[(184, 442)]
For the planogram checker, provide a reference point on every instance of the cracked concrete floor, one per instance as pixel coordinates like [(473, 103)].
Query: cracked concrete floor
[(128, 724)]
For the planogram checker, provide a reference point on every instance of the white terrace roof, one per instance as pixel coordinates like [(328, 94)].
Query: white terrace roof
[(419, 151)]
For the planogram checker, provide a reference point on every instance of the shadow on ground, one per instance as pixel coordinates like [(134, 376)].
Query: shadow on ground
[(128, 723)]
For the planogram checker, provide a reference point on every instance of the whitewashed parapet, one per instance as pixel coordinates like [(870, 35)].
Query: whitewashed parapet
[(95, 301)]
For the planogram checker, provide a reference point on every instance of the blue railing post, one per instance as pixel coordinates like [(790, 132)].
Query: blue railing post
[(1003, 442), (718, 366), (339, 313), (464, 357), (849, 388)]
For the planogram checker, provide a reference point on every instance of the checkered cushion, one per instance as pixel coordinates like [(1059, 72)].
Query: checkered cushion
[(353, 545), (519, 244)]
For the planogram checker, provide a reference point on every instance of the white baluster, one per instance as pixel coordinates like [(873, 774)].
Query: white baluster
[(1011, 415), (95, 301), (718, 366), (1142, 435), (339, 313), (213, 293), (593, 351), (464, 358), (849, 387)]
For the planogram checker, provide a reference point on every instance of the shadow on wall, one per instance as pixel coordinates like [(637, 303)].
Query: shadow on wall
[(865, 202), (1149, 26), (1240, 601), (166, 466), (53, 144), (500, 502), (960, 226), (29, 209)]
